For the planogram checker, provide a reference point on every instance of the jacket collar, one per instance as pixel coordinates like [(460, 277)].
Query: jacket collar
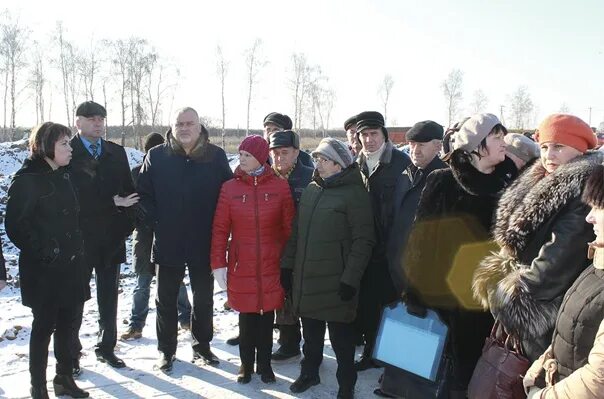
[(477, 183), (199, 151), (385, 158)]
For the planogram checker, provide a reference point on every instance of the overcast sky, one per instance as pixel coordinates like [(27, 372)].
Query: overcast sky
[(555, 48)]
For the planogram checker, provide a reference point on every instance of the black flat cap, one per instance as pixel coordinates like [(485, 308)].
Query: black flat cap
[(281, 120), (369, 119), (284, 138), (90, 108), (425, 131), (350, 121)]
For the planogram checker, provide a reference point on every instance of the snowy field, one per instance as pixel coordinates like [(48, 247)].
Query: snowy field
[(139, 379)]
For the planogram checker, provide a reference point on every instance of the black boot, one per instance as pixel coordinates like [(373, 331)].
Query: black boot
[(233, 341), (245, 374), (65, 385), (38, 392), (304, 382), (267, 375)]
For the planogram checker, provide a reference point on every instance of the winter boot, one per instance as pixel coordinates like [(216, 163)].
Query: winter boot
[(65, 385), (38, 392)]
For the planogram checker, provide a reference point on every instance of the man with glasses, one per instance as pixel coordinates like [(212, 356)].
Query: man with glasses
[(179, 185)]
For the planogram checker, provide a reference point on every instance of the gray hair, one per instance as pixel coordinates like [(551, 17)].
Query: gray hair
[(182, 110)]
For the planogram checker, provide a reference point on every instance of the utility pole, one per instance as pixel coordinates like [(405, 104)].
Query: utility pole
[(589, 116), (501, 107)]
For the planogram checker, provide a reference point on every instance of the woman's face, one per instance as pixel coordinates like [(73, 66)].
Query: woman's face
[(326, 167), (596, 217), (556, 154), (247, 162), (62, 152), (495, 151)]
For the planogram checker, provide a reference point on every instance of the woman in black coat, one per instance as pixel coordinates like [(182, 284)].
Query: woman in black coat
[(450, 236), (542, 235), (42, 221)]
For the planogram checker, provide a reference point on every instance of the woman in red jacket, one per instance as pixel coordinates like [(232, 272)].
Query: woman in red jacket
[(256, 209)]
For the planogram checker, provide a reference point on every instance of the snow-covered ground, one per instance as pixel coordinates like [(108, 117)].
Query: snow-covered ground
[(139, 379)]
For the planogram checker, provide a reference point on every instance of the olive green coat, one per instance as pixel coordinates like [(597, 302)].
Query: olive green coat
[(331, 242)]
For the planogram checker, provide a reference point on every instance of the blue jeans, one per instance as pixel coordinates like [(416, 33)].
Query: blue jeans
[(140, 302)]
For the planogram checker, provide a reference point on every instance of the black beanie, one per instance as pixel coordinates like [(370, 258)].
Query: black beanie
[(152, 140), (281, 120), (593, 194)]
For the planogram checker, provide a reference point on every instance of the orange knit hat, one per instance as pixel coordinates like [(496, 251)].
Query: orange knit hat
[(568, 130)]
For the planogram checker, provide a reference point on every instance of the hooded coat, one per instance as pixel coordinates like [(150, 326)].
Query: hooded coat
[(330, 244), (42, 221), (542, 235), (179, 193), (257, 212)]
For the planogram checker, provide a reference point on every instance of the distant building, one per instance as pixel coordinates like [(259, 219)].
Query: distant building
[(397, 134)]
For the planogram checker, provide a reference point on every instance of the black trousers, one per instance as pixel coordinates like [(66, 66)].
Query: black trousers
[(169, 279), (49, 319), (342, 337), (107, 289), (256, 339), (377, 290)]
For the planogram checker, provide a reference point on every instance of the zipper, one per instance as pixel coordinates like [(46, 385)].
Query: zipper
[(258, 274), (314, 206)]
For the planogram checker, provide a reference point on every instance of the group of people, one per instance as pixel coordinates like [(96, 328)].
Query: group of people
[(476, 223)]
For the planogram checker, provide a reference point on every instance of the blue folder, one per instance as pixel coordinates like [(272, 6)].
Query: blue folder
[(411, 343)]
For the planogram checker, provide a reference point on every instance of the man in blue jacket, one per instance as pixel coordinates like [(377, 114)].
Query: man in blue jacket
[(179, 185)]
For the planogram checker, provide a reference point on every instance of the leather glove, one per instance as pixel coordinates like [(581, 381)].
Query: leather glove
[(220, 275), (414, 306), (287, 279), (346, 292)]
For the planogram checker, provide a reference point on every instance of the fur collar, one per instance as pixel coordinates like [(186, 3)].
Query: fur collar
[(198, 153), (477, 183), (536, 196)]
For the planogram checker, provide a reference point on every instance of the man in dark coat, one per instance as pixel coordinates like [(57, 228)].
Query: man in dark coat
[(142, 242), (381, 165), (179, 185), (285, 149), (101, 176), (425, 143), (275, 122)]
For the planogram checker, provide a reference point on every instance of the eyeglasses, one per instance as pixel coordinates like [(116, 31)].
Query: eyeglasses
[(183, 124), (320, 160)]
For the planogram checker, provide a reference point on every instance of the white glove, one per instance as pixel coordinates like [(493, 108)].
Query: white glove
[(534, 393), (220, 275)]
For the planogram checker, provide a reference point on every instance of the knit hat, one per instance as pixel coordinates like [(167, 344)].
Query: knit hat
[(348, 123), (473, 131), (521, 146), (568, 130), (334, 150), (152, 140), (593, 194), (281, 120), (425, 131), (257, 146)]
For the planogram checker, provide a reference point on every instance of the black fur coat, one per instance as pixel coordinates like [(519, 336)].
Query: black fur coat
[(543, 236)]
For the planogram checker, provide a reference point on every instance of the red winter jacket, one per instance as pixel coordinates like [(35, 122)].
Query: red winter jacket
[(258, 213)]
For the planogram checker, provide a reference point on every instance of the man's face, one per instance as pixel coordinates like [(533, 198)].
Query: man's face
[(270, 128), (372, 139), (187, 129), (92, 127), (423, 153), (353, 142), (284, 158)]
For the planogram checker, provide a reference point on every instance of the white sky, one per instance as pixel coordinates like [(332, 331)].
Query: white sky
[(555, 48)]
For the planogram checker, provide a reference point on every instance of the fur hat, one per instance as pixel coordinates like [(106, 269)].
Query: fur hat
[(568, 130), (152, 140), (593, 194), (334, 150), (521, 146), (257, 146), (425, 131)]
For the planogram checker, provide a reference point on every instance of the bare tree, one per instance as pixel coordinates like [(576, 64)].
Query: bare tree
[(221, 70), (38, 80), (161, 78), (384, 91), (254, 63), (120, 69), (521, 107), (67, 66), (13, 42), (323, 98), (140, 59), (299, 83), (88, 64), (452, 90), (564, 108), (479, 102)]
